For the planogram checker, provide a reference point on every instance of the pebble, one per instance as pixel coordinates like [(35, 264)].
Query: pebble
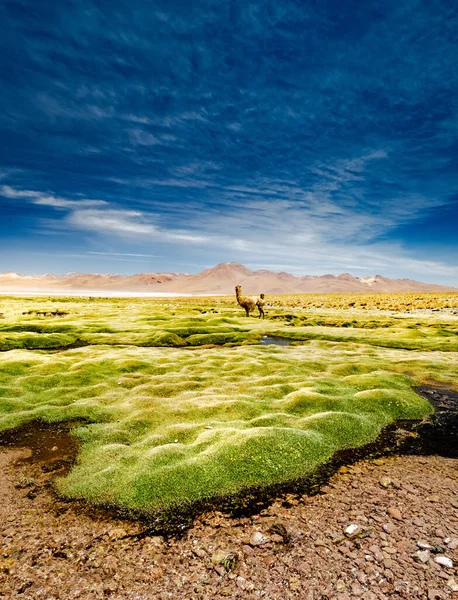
[(395, 513), (225, 558), (424, 545), (452, 584), (258, 539), (444, 561), (218, 557), (385, 482), (376, 551), (423, 556), (389, 527), (351, 529), (340, 585)]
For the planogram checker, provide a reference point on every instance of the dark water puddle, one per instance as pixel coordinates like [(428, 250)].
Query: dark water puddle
[(51, 445), (274, 340), (54, 448), (438, 435)]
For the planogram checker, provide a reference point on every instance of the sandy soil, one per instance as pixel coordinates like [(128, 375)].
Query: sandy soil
[(402, 513)]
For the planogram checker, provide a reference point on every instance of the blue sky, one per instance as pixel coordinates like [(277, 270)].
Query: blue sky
[(167, 135)]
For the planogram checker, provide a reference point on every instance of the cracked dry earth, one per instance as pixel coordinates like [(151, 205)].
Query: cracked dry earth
[(380, 529)]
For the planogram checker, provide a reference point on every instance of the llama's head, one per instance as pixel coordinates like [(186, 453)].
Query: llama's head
[(238, 289)]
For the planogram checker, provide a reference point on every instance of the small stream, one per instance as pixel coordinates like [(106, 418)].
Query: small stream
[(274, 340)]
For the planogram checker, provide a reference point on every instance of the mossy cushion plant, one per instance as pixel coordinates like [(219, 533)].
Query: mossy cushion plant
[(171, 426)]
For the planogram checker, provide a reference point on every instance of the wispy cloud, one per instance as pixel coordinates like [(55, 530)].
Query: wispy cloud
[(48, 199), (129, 222), (125, 254)]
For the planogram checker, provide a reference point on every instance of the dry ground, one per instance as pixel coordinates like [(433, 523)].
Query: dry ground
[(55, 550)]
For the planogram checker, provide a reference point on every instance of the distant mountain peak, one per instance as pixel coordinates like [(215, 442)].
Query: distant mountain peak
[(220, 279)]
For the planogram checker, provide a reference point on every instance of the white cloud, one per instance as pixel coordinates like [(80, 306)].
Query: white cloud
[(124, 222), (63, 203), (125, 254), (9, 192), (47, 199), (138, 137)]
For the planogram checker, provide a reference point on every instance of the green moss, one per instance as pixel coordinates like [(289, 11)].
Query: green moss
[(33, 341)]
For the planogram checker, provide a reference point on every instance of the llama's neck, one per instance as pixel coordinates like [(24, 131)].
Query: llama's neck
[(238, 294)]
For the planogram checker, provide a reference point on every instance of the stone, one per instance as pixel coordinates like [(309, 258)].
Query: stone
[(422, 556), (385, 482), (395, 513), (440, 533), (376, 551), (433, 498), (295, 582), (225, 558), (444, 561), (340, 585), (258, 539), (241, 582), (156, 540), (351, 529), (424, 545), (452, 584), (389, 527)]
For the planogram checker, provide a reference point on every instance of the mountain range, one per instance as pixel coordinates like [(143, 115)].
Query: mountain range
[(216, 280)]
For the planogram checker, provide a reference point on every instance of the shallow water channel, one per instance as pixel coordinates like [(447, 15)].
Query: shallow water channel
[(274, 340)]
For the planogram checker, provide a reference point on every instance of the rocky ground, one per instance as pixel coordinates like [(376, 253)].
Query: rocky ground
[(381, 529)]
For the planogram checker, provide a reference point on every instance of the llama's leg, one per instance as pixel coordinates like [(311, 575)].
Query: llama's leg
[(247, 310)]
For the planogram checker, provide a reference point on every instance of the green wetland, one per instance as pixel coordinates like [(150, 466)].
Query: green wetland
[(178, 401)]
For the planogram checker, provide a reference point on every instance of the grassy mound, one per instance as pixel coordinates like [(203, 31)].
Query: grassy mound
[(173, 427)]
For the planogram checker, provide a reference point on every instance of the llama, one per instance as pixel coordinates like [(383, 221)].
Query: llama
[(260, 305), (249, 304)]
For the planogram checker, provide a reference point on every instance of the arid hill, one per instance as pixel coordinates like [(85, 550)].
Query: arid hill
[(216, 280)]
